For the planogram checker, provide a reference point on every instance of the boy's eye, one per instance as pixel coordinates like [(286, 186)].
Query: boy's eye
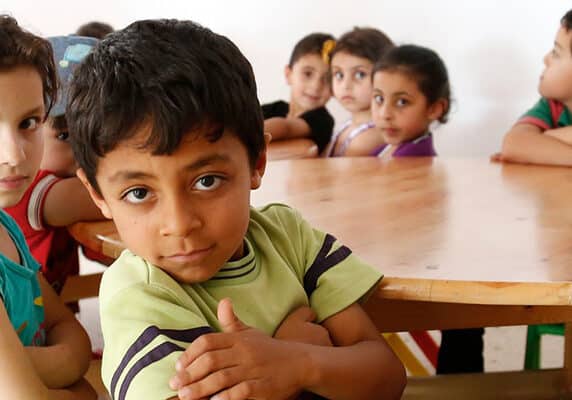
[(30, 124), (63, 136), (307, 74), (136, 196), (360, 75), (208, 182)]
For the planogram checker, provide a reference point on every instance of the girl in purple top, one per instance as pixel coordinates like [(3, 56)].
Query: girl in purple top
[(410, 91)]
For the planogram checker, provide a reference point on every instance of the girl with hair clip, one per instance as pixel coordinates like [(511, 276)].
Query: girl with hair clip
[(351, 67), (411, 91), (44, 351), (307, 74)]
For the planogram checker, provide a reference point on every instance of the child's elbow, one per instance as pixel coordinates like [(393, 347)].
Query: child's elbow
[(399, 381)]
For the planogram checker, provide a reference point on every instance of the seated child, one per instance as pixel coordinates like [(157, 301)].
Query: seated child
[(352, 62), (308, 77), (410, 92), (191, 306), (56, 198), (543, 135), (51, 341)]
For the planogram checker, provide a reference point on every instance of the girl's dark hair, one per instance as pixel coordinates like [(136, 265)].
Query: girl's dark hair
[(424, 66), (566, 23), (95, 29), (19, 47), (369, 43), (310, 44), (176, 77)]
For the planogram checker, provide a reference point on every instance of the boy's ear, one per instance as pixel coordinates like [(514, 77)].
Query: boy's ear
[(287, 74), (260, 166), (437, 109), (95, 196)]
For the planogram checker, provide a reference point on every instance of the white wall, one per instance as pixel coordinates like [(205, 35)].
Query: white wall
[(493, 48)]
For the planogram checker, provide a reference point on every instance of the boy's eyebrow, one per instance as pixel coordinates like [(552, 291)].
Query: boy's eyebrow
[(126, 175), (35, 110)]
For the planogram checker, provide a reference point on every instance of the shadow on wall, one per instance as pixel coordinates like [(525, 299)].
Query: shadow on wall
[(496, 84)]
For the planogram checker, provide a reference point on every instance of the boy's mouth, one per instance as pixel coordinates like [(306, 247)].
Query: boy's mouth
[(191, 256)]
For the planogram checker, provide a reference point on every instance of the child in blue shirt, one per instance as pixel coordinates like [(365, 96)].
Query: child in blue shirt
[(51, 343)]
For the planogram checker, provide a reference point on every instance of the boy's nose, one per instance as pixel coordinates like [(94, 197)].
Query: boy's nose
[(12, 149), (546, 58), (179, 219)]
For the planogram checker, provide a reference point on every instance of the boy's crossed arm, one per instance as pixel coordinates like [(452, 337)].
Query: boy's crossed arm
[(528, 144), (242, 362)]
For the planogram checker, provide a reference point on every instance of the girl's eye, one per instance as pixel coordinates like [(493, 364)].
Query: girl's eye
[(30, 124), (360, 75), (338, 75), (378, 99), (208, 182), (63, 136), (136, 196), (401, 102)]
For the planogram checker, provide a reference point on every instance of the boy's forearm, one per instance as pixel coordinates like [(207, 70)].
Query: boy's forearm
[(522, 145), (66, 357), (365, 370)]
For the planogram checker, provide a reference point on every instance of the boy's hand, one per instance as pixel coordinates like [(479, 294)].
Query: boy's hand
[(299, 327), (238, 364)]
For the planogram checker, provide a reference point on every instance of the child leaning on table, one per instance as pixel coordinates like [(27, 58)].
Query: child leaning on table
[(190, 309), (51, 342), (543, 135), (307, 74), (56, 198), (411, 91), (351, 67)]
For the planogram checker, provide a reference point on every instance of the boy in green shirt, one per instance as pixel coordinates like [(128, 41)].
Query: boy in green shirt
[(168, 132)]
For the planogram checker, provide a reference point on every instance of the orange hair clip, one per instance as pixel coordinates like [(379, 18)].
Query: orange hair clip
[(327, 48)]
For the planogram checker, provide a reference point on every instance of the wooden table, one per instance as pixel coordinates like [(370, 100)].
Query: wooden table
[(292, 149), (462, 242)]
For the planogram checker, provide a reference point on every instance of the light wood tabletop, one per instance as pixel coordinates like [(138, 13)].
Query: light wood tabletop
[(462, 243)]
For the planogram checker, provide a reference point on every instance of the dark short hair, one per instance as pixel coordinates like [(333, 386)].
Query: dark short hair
[(95, 29), (176, 76), (19, 47), (566, 22), (424, 66), (309, 44), (369, 43)]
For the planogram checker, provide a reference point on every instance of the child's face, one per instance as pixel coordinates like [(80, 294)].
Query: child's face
[(58, 155), (186, 212), (21, 114), (351, 81), (556, 79), (399, 109), (308, 80)]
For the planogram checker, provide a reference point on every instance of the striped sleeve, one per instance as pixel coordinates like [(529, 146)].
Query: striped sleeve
[(334, 278), (544, 114), (145, 330)]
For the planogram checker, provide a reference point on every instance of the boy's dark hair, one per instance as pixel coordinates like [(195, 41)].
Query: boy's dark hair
[(566, 23), (310, 44), (19, 47), (424, 66), (95, 29), (176, 77), (369, 43)]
